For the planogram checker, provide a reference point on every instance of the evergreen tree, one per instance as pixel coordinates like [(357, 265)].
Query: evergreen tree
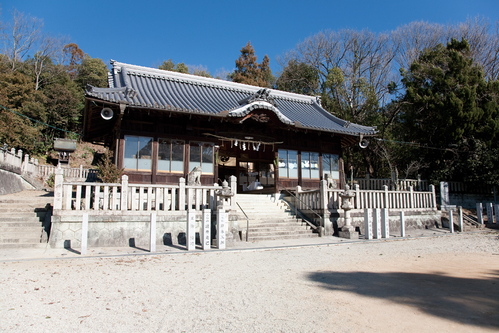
[(448, 104), (249, 71)]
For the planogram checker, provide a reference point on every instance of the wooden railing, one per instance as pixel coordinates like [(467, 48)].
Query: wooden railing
[(106, 197), (369, 198)]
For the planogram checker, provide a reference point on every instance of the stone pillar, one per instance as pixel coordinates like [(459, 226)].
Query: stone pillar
[(461, 225), (190, 235), (496, 207), (490, 212), (58, 180), (433, 195), (233, 187), (181, 194), (221, 225), (387, 196), (385, 223), (25, 163), (152, 233), (327, 230), (402, 224), (124, 193), (84, 234), (479, 212), (206, 237), (356, 188), (444, 195), (368, 223), (377, 223), (451, 221)]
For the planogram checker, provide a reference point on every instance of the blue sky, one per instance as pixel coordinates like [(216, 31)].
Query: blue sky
[(211, 33)]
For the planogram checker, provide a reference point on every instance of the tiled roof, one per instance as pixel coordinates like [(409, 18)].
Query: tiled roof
[(143, 87)]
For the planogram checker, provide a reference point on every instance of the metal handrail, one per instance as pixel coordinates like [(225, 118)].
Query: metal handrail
[(247, 220), (309, 208)]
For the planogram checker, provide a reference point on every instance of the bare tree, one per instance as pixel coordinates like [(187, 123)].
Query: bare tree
[(20, 35), (411, 39), (484, 43)]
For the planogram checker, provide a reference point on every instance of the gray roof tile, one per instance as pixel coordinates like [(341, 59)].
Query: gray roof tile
[(154, 88)]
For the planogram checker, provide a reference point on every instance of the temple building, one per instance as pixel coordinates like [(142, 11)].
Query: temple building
[(162, 125)]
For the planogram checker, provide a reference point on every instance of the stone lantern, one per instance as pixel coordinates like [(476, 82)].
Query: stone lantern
[(224, 194), (347, 231)]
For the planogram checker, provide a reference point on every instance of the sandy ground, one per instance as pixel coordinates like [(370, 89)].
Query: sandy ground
[(444, 283)]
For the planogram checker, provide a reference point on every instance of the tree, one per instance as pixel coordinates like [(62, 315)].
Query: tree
[(249, 71), (19, 36), (74, 56), (170, 66), (92, 71), (448, 103), (299, 78)]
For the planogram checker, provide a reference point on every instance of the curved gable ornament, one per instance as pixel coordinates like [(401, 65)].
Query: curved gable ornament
[(246, 109)]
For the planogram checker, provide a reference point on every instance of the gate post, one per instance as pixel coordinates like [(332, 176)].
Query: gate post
[(206, 229), (221, 225), (190, 235), (368, 223)]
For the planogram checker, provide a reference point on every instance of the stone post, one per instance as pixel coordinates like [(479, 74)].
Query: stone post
[(84, 234), (356, 188), (402, 224), (181, 194), (460, 217), (368, 223), (434, 197), (323, 207), (124, 193), (479, 212), (233, 187), (496, 207), (411, 197), (221, 225), (206, 236), (190, 235), (20, 158), (387, 196), (377, 223), (152, 233), (444, 195), (385, 223), (451, 221), (490, 212), (58, 180), (25, 163)]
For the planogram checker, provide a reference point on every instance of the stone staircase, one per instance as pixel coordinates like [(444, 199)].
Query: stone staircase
[(270, 220), (22, 217)]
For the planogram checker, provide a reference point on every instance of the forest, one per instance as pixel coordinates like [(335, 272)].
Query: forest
[(430, 89)]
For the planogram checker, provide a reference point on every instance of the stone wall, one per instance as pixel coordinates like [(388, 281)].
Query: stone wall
[(12, 182), (123, 230)]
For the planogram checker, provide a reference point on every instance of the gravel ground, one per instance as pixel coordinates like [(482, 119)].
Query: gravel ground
[(441, 283)]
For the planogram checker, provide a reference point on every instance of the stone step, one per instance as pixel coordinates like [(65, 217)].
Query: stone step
[(277, 229), (22, 219), (23, 245), (12, 231), (19, 225), (277, 237), (21, 240)]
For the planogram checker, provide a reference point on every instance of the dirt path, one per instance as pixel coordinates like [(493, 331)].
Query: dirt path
[(440, 284)]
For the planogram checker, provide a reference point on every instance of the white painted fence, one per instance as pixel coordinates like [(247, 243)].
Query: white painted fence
[(103, 197), (378, 183), (329, 199)]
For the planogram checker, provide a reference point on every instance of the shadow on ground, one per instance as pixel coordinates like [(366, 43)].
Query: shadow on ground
[(467, 301)]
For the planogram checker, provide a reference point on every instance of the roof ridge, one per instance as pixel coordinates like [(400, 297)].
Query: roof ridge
[(216, 83)]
